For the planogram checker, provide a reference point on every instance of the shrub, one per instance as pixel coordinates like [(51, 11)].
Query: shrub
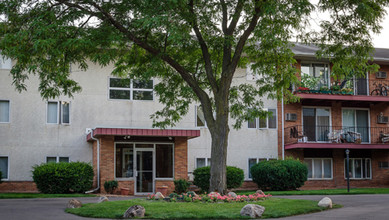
[(181, 186), (110, 186), (235, 177), (70, 177), (276, 175)]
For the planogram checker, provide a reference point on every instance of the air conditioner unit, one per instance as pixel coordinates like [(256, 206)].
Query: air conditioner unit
[(380, 75), (382, 119), (291, 117)]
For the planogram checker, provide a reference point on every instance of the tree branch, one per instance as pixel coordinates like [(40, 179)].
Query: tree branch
[(225, 18), (204, 49)]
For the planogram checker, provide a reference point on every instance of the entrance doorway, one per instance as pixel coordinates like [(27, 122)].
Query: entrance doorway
[(144, 171)]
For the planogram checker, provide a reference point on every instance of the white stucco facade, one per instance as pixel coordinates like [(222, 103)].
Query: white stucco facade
[(27, 139)]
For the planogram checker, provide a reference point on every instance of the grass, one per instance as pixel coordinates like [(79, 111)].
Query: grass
[(275, 207), (324, 192), (40, 195)]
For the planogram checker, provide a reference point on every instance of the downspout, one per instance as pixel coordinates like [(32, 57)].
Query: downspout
[(282, 126), (98, 163)]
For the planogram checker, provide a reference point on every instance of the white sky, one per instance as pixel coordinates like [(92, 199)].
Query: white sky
[(382, 40)]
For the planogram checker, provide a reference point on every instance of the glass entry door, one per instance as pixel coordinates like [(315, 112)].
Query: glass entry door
[(316, 123), (144, 171)]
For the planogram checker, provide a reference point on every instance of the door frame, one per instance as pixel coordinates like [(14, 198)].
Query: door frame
[(316, 107), (152, 150), (355, 117)]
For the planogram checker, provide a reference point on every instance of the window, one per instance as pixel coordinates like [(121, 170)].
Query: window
[(5, 63), (316, 123), (56, 109), (124, 161), (203, 162), (319, 168), (316, 70), (253, 161), (57, 159), (4, 167), (164, 160), (4, 111), (265, 123), (128, 89), (200, 118), (360, 168), (383, 165)]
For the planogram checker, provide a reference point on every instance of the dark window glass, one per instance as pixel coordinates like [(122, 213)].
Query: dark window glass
[(164, 161), (142, 84), (273, 119), (124, 161), (119, 94), (119, 83), (142, 95)]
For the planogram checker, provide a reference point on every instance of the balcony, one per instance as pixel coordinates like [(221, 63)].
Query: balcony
[(373, 90), (299, 136)]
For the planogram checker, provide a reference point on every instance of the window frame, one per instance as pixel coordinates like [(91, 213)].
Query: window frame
[(9, 111), (57, 112), (207, 161), (62, 112), (310, 63), (353, 171), (131, 89), (205, 122), (267, 121), (322, 167), (57, 158), (6, 179)]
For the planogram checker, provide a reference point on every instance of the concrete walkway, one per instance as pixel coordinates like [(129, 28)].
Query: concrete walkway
[(355, 207)]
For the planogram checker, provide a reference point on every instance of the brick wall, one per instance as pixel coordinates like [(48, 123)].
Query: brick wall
[(181, 158), (18, 186)]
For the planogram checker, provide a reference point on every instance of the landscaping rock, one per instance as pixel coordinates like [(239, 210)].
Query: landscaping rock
[(325, 202), (232, 194), (73, 204), (159, 195), (260, 192), (103, 199), (214, 194), (252, 210), (134, 211)]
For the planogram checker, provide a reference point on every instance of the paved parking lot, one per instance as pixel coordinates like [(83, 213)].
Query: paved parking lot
[(355, 207)]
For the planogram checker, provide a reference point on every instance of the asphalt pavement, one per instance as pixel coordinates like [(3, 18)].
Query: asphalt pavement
[(355, 207)]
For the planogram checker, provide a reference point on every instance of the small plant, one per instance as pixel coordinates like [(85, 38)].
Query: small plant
[(181, 186), (324, 88), (308, 81), (173, 195), (110, 186), (335, 86)]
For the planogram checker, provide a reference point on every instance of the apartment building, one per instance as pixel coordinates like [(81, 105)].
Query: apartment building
[(108, 124), (335, 116)]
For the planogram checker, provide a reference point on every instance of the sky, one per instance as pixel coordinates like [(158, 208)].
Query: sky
[(382, 40)]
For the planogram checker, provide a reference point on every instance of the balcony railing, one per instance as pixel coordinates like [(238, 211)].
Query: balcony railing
[(336, 134), (366, 87)]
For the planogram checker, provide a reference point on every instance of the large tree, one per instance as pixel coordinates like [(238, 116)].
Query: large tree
[(192, 46)]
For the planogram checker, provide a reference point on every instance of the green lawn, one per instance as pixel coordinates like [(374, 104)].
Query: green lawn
[(324, 192), (275, 207), (39, 195)]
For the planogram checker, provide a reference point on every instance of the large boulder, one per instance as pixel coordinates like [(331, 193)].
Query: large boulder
[(135, 211), (252, 210), (260, 192), (103, 199), (73, 204), (232, 194), (325, 202), (159, 195)]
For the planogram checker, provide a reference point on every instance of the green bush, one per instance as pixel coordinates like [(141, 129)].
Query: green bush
[(278, 175), (110, 186), (181, 186), (235, 177), (73, 177)]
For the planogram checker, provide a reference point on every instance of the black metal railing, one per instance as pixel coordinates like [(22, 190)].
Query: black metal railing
[(336, 134), (371, 87)]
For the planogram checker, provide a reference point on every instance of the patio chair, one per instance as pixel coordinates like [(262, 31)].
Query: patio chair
[(384, 137), (351, 137), (335, 136)]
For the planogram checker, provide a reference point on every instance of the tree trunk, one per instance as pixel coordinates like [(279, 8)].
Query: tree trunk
[(218, 181)]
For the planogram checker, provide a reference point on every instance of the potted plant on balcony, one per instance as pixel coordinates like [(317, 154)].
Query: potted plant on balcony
[(335, 88), (309, 82), (347, 91), (325, 90), (303, 90)]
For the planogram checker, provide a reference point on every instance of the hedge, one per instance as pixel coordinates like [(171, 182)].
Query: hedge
[(278, 175), (73, 177), (235, 177)]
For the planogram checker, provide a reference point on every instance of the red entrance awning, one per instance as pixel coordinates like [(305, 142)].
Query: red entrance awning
[(143, 132)]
